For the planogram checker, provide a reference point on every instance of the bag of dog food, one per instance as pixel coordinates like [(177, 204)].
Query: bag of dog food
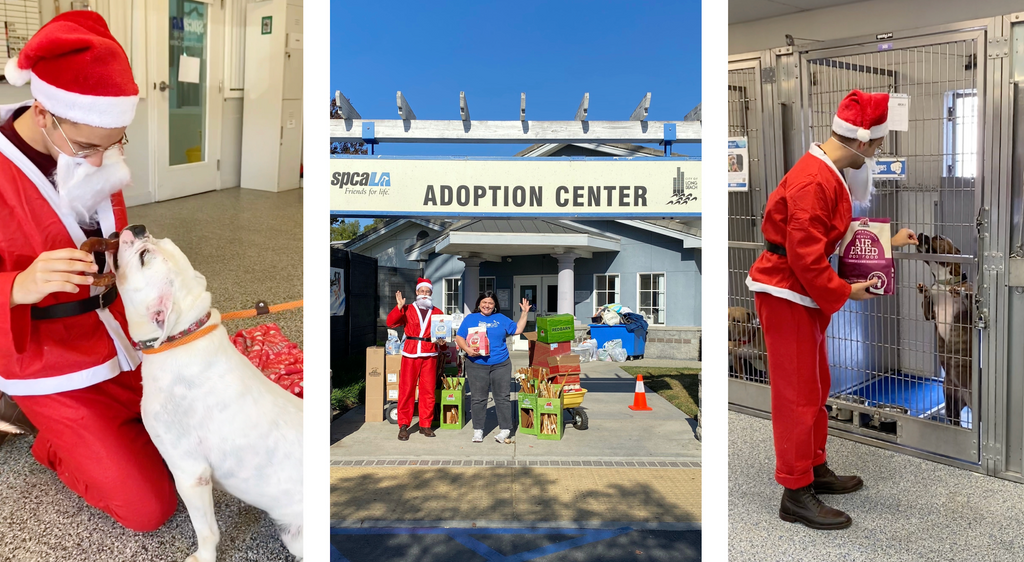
[(477, 338), (440, 327), (865, 254)]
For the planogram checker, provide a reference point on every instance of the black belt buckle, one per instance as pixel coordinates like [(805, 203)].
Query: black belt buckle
[(75, 308)]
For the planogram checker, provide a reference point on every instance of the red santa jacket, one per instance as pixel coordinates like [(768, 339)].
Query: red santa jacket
[(50, 356), (808, 214), (409, 316)]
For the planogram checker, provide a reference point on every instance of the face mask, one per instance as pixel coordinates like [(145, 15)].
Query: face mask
[(82, 187), (860, 180), (424, 302)]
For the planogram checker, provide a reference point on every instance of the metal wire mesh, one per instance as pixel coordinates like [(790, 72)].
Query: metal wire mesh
[(748, 360), (886, 352)]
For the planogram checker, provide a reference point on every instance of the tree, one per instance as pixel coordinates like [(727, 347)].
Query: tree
[(377, 223), (342, 229), (345, 147)]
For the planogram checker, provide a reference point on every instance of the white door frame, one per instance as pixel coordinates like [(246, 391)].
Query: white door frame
[(169, 182)]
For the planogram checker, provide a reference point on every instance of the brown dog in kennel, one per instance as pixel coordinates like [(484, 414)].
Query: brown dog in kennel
[(746, 345), (949, 304)]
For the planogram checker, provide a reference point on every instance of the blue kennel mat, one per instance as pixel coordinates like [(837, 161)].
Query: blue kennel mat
[(922, 396)]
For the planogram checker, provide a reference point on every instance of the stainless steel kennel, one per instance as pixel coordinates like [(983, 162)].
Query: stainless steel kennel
[(960, 166)]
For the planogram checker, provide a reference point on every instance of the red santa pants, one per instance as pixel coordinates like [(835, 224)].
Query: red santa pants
[(794, 336), (422, 371), (94, 440)]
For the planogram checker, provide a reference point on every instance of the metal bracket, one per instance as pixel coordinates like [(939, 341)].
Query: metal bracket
[(368, 136), (998, 47), (783, 51), (768, 75), (670, 137), (1015, 273)]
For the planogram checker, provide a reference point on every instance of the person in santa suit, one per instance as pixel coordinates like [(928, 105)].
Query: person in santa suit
[(65, 357), (419, 358), (796, 292)]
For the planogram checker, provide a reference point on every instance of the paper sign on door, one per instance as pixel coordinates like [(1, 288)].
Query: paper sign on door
[(188, 69)]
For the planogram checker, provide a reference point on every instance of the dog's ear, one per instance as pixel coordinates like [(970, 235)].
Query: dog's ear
[(750, 317)]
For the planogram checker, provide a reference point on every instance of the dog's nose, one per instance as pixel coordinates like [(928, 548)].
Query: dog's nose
[(137, 230)]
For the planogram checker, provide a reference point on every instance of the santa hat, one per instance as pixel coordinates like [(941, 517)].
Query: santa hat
[(78, 71), (862, 116), (421, 282)]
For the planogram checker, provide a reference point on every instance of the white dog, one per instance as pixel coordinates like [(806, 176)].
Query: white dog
[(215, 419)]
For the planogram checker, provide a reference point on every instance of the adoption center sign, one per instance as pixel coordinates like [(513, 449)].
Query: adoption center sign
[(516, 186)]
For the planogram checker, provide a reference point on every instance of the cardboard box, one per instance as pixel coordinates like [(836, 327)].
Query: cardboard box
[(540, 351), (392, 392), (549, 407), (392, 368), (454, 403), (564, 364), (556, 328), (527, 420), (566, 379), (375, 384)]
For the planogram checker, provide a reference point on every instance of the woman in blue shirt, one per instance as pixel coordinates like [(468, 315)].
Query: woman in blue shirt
[(491, 373)]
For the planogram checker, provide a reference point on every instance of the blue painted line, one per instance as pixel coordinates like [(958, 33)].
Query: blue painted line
[(589, 536), (519, 159), (464, 537), (336, 556)]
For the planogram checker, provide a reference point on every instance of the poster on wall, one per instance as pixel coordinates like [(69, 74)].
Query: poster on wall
[(337, 291), (511, 187), (504, 299), (738, 163), (890, 168)]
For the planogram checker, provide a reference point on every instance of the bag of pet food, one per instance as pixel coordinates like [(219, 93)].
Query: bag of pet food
[(440, 327), (393, 345), (477, 338), (865, 254)]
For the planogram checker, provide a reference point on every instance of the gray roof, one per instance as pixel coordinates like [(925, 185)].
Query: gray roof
[(499, 226)]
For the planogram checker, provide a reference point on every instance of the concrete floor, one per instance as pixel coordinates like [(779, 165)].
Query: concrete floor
[(248, 244), (909, 509)]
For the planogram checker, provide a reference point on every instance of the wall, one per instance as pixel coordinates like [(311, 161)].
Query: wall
[(864, 18), (390, 248), (231, 144)]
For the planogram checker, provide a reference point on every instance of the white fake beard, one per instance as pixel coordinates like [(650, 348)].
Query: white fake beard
[(82, 187), (861, 182), (424, 302)]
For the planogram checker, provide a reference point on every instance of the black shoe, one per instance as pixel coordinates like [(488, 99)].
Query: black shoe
[(427, 432), (828, 482), (403, 433), (803, 506)]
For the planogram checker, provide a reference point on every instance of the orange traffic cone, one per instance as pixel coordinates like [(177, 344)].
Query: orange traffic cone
[(640, 396)]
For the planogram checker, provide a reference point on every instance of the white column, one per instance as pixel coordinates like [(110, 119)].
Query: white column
[(470, 282), (566, 282)]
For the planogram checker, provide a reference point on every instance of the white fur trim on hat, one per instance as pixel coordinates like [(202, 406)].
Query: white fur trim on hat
[(106, 112), (14, 75), (845, 129), (427, 285)]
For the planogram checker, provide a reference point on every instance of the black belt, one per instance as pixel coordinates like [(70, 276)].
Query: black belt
[(74, 308), (775, 248), (418, 339)]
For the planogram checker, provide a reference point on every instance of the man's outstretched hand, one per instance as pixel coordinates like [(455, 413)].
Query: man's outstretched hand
[(56, 271)]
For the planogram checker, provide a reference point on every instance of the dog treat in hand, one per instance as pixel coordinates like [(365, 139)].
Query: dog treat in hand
[(96, 245), (865, 254), (103, 279)]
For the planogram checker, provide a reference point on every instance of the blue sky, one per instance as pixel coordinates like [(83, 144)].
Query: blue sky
[(552, 51)]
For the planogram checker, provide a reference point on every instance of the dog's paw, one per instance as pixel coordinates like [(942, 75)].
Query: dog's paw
[(196, 557), (920, 288)]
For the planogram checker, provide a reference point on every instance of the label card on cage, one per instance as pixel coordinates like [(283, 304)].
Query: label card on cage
[(899, 112)]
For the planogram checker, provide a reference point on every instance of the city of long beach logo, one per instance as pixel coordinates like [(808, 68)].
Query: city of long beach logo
[(680, 186)]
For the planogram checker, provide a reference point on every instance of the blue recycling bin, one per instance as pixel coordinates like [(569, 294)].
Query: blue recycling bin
[(633, 342)]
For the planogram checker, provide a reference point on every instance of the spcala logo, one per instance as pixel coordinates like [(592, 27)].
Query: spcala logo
[(342, 179), (451, 396), (549, 405)]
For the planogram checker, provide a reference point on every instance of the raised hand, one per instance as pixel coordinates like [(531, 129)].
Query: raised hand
[(398, 297)]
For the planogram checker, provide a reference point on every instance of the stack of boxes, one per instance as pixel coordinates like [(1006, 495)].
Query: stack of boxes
[(382, 374), (550, 349)]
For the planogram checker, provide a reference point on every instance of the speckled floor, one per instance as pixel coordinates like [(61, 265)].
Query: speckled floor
[(248, 244), (909, 509)]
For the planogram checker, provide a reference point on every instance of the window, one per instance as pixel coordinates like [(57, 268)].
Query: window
[(652, 297), (606, 290), (452, 300), (486, 284), (960, 135)]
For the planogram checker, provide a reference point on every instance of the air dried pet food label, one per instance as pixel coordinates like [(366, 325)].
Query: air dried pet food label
[(865, 254)]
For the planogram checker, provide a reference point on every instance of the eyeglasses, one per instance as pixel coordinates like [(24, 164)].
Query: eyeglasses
[(81, 153)]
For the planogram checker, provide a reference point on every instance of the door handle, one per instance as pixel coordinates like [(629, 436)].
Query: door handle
[(164, 86)]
